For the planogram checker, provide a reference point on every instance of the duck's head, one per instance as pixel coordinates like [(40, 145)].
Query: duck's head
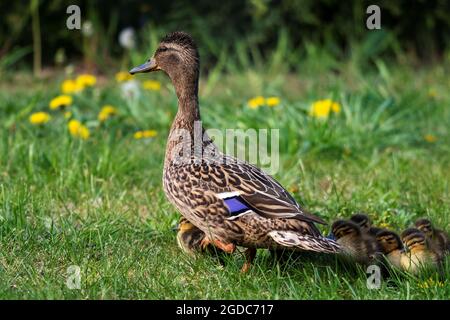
[(177, 56), (425, 226), (389, 241), (414, 239), (362, 220), (184, 225), (343, 228)]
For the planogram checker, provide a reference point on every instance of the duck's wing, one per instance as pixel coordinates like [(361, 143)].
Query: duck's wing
[(233, 178), (305, 242)]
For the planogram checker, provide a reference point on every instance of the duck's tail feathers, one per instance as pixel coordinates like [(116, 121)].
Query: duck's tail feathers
[(305, 242)]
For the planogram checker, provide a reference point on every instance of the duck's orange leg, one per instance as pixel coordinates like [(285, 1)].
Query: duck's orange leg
[(250, 254), (205, 243), (227, 247)]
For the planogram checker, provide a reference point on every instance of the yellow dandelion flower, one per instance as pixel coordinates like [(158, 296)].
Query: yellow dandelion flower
[(106, 112), (431, 283), (150, 133), (293, 188), (335, 107), (83, 132), (77, 129), (432, 93), (73, 126), (123, 76), (151, 85), (385, 225), (430, 138), (322, 108), (256, 102), (60, 101), (145, 134), (423, 285), (273, 101), (70, 86), (39, 118), (86, 80)]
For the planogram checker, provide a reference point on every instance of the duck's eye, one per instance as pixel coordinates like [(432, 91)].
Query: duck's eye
[(161, 49)]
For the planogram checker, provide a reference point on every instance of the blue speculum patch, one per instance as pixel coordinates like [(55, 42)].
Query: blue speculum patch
[(236, 205), (331, 236)]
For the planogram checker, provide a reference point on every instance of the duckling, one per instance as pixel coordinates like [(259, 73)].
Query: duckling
[(419, 252), (438, 239), (233, 202), (364, 222), (355, 243), (189, 237), (190, 240), (392, 247)]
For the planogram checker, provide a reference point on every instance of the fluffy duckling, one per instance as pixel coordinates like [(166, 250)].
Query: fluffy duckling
[(392, 247), (438, 239), (364, 222), (189, 237), (355, 243), (419, 252)]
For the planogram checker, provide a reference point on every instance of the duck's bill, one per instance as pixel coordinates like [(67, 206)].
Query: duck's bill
[(149, 66)]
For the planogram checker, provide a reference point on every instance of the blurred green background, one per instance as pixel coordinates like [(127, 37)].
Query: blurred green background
[(247, 29)]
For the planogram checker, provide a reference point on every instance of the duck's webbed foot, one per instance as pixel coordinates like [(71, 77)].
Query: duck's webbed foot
[(250, 254), (226, 247)]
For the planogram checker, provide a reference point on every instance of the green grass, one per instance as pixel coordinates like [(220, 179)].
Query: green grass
[(98, 204)]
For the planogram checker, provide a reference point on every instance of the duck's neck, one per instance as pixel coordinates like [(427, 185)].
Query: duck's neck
[(188, 113), (186, 128), (186, 87)]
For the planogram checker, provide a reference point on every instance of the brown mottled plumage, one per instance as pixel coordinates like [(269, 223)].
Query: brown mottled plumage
[(419, 251), (392, 247), (197, 177), (438, 239), (410, 253), (355, 243), (364, 222)]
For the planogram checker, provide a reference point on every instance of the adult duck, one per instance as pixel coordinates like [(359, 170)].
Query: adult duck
[(231, 201)]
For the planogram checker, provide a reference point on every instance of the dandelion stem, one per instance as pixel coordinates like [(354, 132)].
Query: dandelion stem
[(37, 46)]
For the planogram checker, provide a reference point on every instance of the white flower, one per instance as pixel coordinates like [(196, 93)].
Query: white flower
[(130, 89), (127, 38), (87, 28)]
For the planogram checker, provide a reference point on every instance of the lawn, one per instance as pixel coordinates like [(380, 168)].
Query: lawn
[(98, 204)]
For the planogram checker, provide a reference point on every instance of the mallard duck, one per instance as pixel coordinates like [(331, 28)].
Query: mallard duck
[(364, 222), (231, 201), (419, 252), (438, 238), (392, 247), (354, 242)]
